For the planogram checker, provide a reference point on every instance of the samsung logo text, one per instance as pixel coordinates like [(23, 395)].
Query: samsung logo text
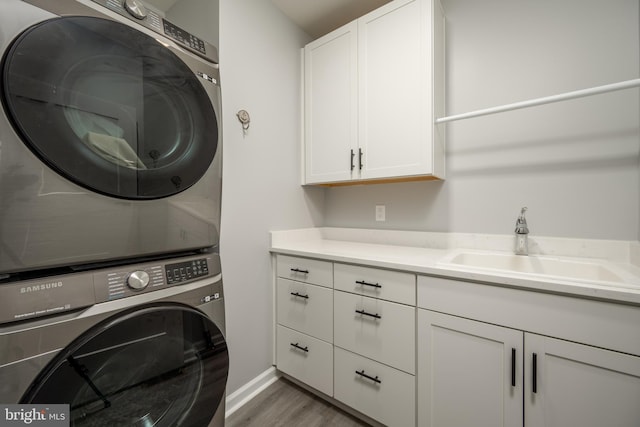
[(38, 288)]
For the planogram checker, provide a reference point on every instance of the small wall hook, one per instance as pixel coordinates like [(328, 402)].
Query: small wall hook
[(244, 118)]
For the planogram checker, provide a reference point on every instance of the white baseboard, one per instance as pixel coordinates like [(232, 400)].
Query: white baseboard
[(248, 391)]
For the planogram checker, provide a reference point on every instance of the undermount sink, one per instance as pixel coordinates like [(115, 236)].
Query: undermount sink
[(537, 265)]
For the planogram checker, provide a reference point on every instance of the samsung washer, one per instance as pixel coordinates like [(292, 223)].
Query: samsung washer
[(143, 345), (110, 135)]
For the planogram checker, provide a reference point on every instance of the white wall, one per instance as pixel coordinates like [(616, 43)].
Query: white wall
[(574, 164), (260, 73)]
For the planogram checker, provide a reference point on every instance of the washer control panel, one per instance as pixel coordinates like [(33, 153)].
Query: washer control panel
[(183, 271), (56, 294), (126, 281)]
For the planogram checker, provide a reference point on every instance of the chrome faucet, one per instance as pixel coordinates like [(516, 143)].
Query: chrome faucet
[(522, 231)]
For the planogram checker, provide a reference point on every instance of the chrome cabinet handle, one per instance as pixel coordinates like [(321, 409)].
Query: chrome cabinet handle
[(364, 313)]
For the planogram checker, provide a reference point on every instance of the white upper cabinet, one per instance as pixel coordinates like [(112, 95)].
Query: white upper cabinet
[(394, 98), (331, 106), (372, 90)]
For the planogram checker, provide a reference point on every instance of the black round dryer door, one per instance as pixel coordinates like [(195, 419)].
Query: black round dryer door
[(158, 365), (109, 107)]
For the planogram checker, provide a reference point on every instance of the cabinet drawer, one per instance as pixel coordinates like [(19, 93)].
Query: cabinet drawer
[(305, 270), (305, 358), (387, 396), (374, 282), (380, 330), (305, 308)]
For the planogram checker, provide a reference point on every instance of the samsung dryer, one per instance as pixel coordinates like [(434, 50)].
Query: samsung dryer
[(136, 345), (110, 135)]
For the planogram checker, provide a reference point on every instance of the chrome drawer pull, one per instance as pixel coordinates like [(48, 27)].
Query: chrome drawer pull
[(295, 294), (362, 374), (362, 282), (364, 313), (297, 270), (296, 345)]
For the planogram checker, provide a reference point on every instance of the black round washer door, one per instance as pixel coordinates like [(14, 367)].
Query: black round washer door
[(109, 107), (161, 365)]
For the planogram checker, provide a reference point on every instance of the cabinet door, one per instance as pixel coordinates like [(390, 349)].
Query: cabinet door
[(395, 90), (469, 373), (579, 385), (330, 104)]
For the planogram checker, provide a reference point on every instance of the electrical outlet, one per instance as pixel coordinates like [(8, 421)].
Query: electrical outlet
[(380, 212)]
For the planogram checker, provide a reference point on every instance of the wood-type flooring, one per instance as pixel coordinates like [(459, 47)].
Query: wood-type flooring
[(284, 404)]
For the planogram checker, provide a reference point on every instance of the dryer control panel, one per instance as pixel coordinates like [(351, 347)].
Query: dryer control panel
[(137, 11), (183, 271)]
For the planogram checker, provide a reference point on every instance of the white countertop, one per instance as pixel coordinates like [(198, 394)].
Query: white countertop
[(430, 254)]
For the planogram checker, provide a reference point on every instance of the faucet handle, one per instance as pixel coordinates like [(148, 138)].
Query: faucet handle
[(521, 222)]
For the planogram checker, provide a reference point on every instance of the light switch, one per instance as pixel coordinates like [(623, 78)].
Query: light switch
[(380, 212)]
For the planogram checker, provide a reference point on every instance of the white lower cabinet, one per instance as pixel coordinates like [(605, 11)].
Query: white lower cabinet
[(472, 373), (380, 330), (463, 355), (305, 358), (379, 391), (304, 320), (305, 308), (375, 357), (469, 373), (359, 350), (579, 385)]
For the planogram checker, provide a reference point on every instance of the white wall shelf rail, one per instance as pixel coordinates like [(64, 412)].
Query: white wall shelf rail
[(628, 84)]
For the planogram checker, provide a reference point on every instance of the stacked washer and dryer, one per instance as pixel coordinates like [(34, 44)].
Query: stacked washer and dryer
[(111, 297)]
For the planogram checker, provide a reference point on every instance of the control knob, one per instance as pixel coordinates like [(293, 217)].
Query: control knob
[(135, 8), (138, 280)]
